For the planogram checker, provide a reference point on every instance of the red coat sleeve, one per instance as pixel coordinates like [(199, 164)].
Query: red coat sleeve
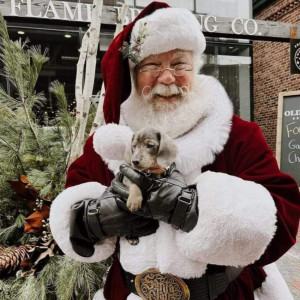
[(88, 167)]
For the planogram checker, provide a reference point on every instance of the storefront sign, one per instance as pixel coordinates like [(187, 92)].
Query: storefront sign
[(57, 10), (63, 10), (82, 12), (210, 23), (288, 134), (295, 56)]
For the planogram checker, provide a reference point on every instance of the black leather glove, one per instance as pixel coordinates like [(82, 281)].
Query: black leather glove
[(168, 199), (92, 220)]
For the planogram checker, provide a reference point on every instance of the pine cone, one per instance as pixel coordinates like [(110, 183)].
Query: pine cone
[(11, 259), (2, 247)]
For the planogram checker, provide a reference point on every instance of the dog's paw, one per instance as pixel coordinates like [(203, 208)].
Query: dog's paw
[(133, 241), (134, 204)]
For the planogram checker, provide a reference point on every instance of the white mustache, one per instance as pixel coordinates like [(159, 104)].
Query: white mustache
[(166, 90)]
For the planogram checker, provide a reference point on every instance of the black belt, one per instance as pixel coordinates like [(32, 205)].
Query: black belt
[(208, 287)]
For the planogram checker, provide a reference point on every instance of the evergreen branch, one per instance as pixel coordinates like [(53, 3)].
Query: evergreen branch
[(38, 59), (25, 239), (75, 133), (6, 289), (10, 233), (32, 289), (88, 285), (49, 273), (3, 28), (65, 119), (83, 279), (36, 100), (58, 90), (7, 99), (16, 153), (11, 208), (30, 124), (15, 64), (39, 287)]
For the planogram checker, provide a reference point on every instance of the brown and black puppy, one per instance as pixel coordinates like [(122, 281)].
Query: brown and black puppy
[(151, 151)]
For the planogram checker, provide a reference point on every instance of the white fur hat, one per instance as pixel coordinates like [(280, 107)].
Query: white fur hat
[(164, 30)]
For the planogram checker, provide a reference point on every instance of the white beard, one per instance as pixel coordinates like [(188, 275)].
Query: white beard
[(137, 113)]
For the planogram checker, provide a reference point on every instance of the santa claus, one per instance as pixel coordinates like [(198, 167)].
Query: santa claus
[(230, 215)]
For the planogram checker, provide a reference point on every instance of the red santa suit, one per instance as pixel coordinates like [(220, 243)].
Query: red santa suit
[(248, 209)]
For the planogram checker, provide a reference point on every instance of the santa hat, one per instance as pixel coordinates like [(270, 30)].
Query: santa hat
[(157, 29)]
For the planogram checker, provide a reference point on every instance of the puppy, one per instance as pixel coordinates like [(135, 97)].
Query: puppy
[(151, 151)]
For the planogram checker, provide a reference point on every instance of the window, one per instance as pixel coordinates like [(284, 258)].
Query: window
[(231, 64), (225, 8)]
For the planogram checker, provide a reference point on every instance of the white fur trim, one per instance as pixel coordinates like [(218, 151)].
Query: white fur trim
[(60, 221), (274, 287), (168, 29), (171, 260), (99, 295), (237, 221), (133, 297), (159, 250), (144, 254), (111, 140), (200, 146)]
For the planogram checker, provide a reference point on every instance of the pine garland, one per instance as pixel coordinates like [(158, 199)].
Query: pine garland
[(84, 279), (14, 232), (42, 154), (26, 147)]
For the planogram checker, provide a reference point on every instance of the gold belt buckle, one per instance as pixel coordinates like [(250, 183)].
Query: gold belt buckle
[(153, 285)]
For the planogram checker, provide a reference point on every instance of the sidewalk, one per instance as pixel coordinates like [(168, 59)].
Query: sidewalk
[(289, 266)]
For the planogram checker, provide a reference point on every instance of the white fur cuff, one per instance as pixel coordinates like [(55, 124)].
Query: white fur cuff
[(99, 295), (110, 141), (60, 221), (236, 221)]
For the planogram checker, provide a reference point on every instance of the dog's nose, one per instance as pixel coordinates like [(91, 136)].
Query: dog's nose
[(135, 162)]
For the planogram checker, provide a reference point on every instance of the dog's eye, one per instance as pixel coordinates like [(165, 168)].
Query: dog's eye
[(150, 146), (133, 146)]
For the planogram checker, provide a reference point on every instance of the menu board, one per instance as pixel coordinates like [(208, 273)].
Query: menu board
[(288, 134)]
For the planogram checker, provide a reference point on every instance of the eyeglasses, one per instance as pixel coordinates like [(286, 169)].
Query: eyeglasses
[(155, 71)]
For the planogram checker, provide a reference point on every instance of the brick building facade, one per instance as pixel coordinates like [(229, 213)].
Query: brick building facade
[(271, 67)]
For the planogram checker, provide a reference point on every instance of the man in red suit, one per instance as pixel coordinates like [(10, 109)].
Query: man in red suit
[(228, 212)]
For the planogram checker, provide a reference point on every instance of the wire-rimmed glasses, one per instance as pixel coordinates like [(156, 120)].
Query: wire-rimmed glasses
[(155, 71)]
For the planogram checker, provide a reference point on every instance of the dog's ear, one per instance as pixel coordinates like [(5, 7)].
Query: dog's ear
[(128, 151), (167, 150)]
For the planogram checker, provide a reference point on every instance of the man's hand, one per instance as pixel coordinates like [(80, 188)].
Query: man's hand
[(92, 220), (167, 199)]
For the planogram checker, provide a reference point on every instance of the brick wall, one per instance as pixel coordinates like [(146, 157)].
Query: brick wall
[(271, 68)]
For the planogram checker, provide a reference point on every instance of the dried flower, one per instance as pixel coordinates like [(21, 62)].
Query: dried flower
[(132, 51)]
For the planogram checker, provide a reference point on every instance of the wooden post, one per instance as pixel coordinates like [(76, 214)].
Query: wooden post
[(84, 86), (99, 118)]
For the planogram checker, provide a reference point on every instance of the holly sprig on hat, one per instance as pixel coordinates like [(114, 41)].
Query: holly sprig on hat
[(132, 51)]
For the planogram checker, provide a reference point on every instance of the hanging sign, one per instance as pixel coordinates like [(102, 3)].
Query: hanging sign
[(295, 56)]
